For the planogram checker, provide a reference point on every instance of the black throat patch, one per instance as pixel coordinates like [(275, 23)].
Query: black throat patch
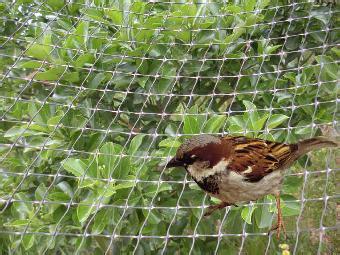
[(210, 183)]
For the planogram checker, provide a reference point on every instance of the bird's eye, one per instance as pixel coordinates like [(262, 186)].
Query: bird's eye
[(189, 159)]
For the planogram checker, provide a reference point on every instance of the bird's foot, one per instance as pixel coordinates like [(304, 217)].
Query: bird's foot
[(280, 225), (213, 208)]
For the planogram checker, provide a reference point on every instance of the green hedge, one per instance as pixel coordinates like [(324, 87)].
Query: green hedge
[(96, 94)]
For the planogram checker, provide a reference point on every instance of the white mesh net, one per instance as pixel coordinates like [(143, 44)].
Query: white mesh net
[(96, 94)]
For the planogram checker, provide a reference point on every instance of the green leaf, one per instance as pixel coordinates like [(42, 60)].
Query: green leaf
[(40, 191), (150, 191), (41, 51), (328, 66), (247, 213), (55, 120), (263, 3), (336, 51), (81, 32), (275, 120), (187, 9), (303, 130), (17, 223), (24, 131), (31, 64), (249, 5), (102, 219), (56, 4), (138, 7), (24, 209), (58, 196), (85, 59), (87, 183), (268, 137), (66, 188), (320, 14), (157, 50), (194, 67), (14, 132), (251, 20), (271, 49), (71, 76), (97, 80), (237, 33), (52, 74), (163, 85), (237, 121), (115, 15), (38, 128), (135, 143), (190, 125), (124, 168), (234, 129), (258, 125), (124, 185), (74, 166), (154, 217), (28, 241), (171, 142), (263, 215), (40, 114), (214, 124), (194, 186), (105, 191), (109, 159), (250, 116), (83, 212), (95, 14), (292, 184), (291, 207), (142, 81), (233, 9)]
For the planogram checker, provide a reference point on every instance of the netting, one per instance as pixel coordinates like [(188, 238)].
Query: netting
[(96, 95)]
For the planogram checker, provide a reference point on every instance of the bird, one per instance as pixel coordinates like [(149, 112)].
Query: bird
[(241, 169)]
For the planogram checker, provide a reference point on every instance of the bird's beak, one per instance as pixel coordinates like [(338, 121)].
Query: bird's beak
[(171, 163), (174, 163)]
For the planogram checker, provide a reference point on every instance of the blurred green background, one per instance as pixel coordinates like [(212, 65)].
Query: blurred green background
[(96, 94)]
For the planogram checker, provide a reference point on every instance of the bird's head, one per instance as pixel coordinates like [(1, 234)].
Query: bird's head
[(205, 149)]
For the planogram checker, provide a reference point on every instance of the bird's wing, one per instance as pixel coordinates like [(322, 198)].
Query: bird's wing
[(255, 158)]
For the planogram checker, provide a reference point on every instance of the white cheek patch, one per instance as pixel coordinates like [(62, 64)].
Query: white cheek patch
[(200, 170), (248, 170)]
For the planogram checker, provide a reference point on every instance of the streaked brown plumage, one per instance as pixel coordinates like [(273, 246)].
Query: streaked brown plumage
[(236, 168)]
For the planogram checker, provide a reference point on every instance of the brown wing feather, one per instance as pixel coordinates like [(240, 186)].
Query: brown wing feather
[(255, 158)]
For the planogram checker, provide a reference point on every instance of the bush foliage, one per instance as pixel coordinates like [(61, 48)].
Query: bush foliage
[(95, 94)]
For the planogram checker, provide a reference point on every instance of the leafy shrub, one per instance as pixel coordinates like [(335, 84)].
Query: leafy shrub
[(95, 94)]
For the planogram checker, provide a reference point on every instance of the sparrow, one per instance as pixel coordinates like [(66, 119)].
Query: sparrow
[(241, 169)]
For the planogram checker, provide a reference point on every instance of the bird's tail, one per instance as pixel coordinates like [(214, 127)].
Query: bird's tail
[(315, 143)]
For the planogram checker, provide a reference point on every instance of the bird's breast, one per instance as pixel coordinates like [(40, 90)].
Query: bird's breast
[(230, 186), (234, 188), (208, 178), (210, 184)]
